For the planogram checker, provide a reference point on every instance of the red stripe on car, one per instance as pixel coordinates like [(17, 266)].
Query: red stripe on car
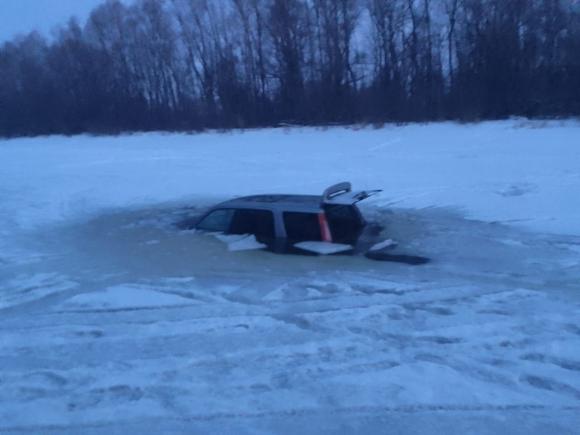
[(324, 228)]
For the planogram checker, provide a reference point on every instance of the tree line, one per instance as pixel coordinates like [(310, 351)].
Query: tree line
[(195, 64)]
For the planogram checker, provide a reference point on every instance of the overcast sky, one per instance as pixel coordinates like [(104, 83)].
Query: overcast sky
[(23, 16)]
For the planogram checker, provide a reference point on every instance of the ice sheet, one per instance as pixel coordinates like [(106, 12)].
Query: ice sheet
[(112, 320)]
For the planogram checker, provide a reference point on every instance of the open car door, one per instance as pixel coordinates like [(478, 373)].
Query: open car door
[(342, 194)]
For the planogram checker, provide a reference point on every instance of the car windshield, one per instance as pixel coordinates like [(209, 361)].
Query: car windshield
[(218, 220)]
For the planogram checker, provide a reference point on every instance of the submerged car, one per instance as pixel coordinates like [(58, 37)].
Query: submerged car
[(327, 224)]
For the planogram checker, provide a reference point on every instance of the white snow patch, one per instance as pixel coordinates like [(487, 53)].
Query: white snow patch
[(496, 171)]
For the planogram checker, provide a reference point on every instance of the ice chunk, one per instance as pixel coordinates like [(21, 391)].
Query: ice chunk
[(384, 244), (323, 248), (240, 242)]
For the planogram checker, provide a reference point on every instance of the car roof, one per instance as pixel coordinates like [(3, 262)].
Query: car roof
[(303, 203)]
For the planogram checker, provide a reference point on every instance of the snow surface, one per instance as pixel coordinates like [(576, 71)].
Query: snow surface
[(119, 297), (116, 319)]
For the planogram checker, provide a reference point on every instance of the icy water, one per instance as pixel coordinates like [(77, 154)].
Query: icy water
[(149, 326), (148, 244)]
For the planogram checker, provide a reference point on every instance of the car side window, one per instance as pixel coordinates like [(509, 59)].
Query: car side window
[(218, 220), (302, 227), (257, 222)]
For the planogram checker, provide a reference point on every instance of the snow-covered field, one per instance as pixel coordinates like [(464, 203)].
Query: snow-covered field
[(114, 321)]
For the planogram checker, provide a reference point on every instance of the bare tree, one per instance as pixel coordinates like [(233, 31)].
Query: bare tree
[(288, 28), (451, 7), (183, 64)]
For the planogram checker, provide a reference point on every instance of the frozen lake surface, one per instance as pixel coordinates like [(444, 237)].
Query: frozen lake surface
[(113, 320)]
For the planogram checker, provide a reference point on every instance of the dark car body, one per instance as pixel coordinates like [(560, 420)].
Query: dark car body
[(296, 223)]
